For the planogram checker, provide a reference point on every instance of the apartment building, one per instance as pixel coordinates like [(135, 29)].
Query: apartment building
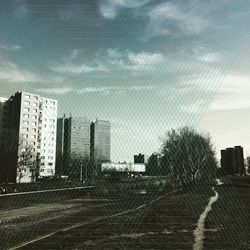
[(31, 120), (73, 142), (100, 140), (232, 161)]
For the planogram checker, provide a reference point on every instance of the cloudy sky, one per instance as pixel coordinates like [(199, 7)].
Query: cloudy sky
[(146, 65)]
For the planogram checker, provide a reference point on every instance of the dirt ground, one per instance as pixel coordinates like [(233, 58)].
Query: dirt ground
[(168, 223)]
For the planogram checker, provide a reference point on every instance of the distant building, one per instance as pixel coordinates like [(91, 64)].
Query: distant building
[(232, 161), (123, 167), (140, 158), (239, 155), (31, 122), (73, 141), (100, 140)]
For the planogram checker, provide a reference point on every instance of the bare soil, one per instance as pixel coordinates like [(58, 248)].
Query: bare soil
[(168, 223)]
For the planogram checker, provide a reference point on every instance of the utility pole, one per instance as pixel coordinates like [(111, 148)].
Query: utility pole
[(81, 173)]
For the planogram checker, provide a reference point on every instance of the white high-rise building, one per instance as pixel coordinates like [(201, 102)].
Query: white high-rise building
[(47, 135), (32, 120)]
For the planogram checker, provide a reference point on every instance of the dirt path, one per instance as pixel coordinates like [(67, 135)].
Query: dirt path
[(199, 232)]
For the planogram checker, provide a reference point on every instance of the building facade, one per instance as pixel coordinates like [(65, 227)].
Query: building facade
[(100, 140), (140, 158), (73, 143), (47, 135), (232, 161), (31, 123)]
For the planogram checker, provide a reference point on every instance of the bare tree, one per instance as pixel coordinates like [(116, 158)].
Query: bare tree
[(17, 159), (186, 154)]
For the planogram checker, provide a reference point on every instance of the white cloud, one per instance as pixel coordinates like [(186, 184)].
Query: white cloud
[(55, 91), (110, 60), (110, 8), (93, 90), (9, 72), (12, 73), (210, 58), (77, 69), (10, 47), (170, 18), (117, 89), (75, 54), (145, 58), (234, 94)]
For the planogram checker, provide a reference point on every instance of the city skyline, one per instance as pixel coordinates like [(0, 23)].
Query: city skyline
[(146, 66)]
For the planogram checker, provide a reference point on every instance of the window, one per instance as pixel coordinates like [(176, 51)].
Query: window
[(33, 150), (35, 104), (25, 129), (34, 117), (26, 103), (25, 122), (35, 97), (26, 116), (52, 108), (50, 151), (33, 143), (50, 157), (26, 109), (34, 130), (50, 164), (52, 102), (33, 137), (33, 123), (27, 96), (25, 143), (34, 110), (25, 136)]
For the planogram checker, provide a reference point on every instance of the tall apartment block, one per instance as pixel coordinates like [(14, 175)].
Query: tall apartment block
[(73, 142), (232, 161), (100, 140), (31, 120)]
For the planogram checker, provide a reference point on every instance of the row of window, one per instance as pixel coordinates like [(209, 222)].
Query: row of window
[(27, 123), (26, 96), (50, 126), (47, 170), (28, 110), (49, 157), (51, 120), (28, 116), (27, 129), (31, 150), (34, 104), (50, 164), (51, 102), (25, 136), (51, 108)]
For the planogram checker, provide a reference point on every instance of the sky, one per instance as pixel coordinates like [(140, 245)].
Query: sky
[(145, 65)]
